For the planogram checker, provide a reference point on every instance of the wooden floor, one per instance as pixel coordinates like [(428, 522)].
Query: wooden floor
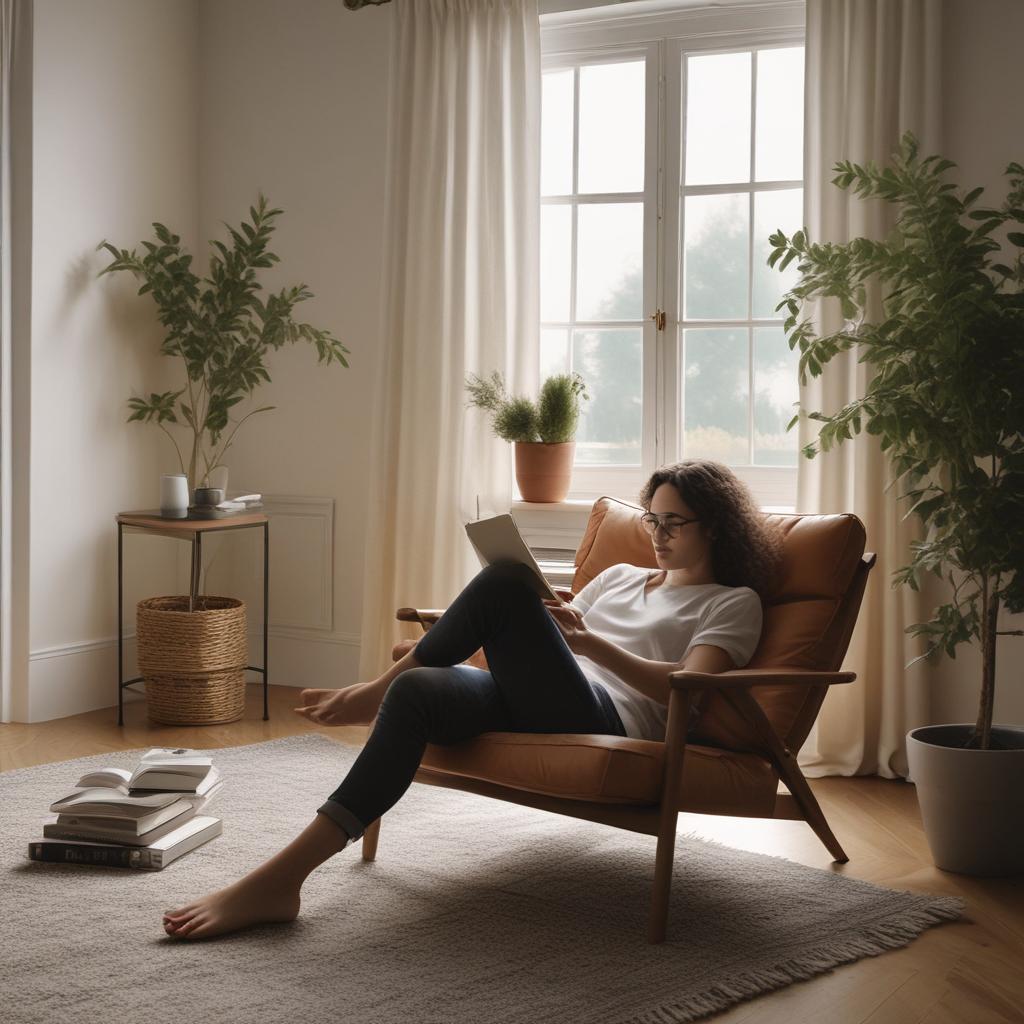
[(967, 972)]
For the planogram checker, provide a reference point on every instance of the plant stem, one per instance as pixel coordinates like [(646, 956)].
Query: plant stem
[(227, 443), (181, 462), (989, 615)]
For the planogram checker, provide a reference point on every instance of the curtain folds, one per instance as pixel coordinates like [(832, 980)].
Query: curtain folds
[(460, 294), (872, 74)]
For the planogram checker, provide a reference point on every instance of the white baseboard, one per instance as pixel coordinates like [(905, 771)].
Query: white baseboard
[(70, 679)]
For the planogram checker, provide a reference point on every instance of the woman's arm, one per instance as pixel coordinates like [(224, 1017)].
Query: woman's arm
[(651, 678)]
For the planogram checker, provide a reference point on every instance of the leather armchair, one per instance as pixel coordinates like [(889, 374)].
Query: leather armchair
[(752, 721)]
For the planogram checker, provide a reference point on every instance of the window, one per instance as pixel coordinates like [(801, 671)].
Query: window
[(598, 239), (665, 166)]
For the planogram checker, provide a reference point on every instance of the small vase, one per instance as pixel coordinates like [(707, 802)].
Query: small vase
[(544, 471)]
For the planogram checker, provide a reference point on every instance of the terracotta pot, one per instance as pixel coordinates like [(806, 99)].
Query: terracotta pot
[(544, 471), (972, 803)]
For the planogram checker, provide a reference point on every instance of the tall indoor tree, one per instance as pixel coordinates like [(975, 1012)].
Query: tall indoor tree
[(947, 394)]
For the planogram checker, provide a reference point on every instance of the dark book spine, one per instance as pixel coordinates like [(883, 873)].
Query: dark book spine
[(73, 853)]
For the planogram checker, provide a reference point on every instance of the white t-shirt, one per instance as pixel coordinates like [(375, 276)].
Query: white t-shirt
[(662, 625)]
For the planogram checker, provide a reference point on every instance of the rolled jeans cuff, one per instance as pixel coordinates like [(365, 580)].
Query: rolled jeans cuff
[(343, 818)]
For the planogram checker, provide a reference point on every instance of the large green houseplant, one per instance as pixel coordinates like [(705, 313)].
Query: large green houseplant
[(221, 329), (543, 432), (947, 395)]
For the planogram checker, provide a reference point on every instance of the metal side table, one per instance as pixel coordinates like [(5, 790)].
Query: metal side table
[(191, 530)]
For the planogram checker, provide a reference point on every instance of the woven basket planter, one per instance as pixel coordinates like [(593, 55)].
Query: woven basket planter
[(193, 662)]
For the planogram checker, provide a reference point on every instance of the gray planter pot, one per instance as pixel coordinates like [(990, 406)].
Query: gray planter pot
[(972, 801)]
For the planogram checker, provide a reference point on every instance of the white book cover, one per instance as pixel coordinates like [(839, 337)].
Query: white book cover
[(498, 540), (69, 826), (153, 856)]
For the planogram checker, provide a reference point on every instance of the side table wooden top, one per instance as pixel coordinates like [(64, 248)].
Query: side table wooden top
[(151, 519)]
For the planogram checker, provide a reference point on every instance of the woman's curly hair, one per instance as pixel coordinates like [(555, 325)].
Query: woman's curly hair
[(746, 549)]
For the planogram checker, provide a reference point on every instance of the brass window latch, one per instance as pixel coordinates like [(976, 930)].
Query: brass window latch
[(658, 316)]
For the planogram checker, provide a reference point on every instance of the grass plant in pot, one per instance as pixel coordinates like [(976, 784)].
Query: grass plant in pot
[(945, 398), (543, 433)]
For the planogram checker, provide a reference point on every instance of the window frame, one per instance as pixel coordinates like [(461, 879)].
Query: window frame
[(665, 38), (596, 480)]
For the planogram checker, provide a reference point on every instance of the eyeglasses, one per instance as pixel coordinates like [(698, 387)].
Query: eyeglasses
[(650, 522)]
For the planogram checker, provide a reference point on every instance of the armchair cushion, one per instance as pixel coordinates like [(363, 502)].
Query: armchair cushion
[(610, 769)]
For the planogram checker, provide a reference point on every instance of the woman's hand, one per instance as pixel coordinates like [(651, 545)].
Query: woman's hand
[(569, 620)]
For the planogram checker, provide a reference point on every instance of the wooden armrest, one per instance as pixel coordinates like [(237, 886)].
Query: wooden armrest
[(426, 617), (742, 677), (419, 614)]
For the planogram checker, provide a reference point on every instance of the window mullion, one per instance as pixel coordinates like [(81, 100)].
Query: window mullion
[(750, 259), (575, 215)]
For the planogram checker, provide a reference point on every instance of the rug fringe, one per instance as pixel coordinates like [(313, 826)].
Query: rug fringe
[(872, 941)]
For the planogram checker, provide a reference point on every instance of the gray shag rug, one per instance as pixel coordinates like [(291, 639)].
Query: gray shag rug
[(475, 910)]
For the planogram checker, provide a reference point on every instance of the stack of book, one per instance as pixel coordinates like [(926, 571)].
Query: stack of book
[(142, 819)]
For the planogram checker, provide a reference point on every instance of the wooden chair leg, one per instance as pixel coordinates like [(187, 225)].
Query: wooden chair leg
[(370, 837), (675, 748), (663, 859), (789, 771), (796, 783)]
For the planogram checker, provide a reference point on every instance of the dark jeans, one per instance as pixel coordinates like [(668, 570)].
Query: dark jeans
[(534, 685)]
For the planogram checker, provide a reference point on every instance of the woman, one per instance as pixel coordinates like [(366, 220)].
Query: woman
[(551, 669)]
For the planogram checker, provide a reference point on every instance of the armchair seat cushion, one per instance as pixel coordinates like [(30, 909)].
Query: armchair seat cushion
[(610, 769)]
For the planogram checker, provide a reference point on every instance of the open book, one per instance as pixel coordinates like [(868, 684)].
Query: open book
[(498, 540), (120, 779), (133, 814), (161, 768)]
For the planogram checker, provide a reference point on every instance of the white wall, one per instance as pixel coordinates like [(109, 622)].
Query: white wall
[(147, 109), (181, 112), (983, 131), (294, 103), (114, 148)]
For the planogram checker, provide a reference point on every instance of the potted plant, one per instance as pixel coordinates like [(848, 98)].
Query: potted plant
[(543, 433), (946, 402), (221, 329), (193, 658)]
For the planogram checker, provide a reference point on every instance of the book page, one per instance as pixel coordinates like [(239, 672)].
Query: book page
[(112, 777)]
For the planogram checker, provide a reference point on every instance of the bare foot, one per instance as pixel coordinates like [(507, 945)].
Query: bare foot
[(247, 902), (353, 705)]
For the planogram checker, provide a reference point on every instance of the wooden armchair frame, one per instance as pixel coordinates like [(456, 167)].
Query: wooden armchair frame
[(659, 819)]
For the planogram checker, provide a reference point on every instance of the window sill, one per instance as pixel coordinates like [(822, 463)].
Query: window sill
[(566, 507), (552, 526)]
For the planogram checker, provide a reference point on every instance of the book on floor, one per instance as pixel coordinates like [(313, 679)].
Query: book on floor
[(498, 540), (120, 779), (70, 826), (117, 813), (153, 857), (176, 768)]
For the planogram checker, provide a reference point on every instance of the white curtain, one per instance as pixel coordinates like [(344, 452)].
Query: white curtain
[(872, 73), (461, 294)]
